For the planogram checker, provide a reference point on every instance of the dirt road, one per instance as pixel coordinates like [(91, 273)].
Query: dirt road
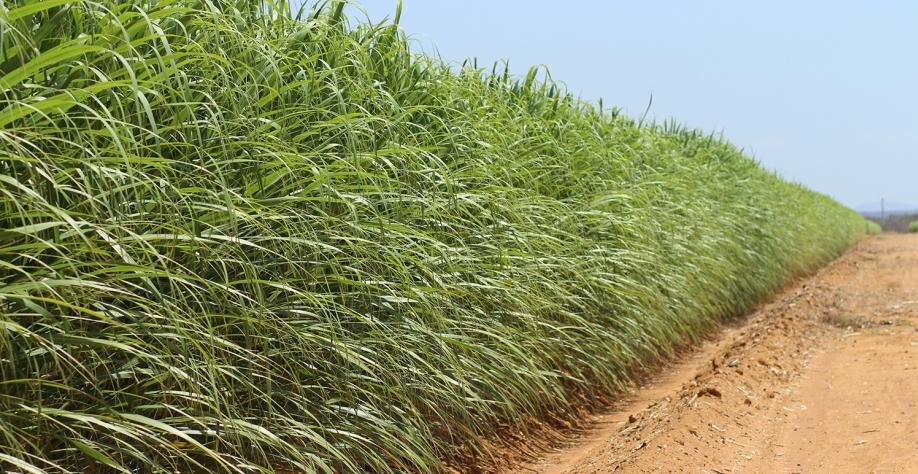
[(822, 379)]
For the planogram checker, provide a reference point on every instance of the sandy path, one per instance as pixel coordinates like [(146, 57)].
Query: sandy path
[(824, 378)]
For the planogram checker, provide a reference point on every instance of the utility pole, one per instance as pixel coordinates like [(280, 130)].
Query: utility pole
[(882, 209)]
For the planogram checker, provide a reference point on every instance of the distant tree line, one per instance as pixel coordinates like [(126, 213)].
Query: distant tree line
[(898, 222)]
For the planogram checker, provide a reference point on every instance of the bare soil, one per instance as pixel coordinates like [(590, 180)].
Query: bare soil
[(824, 378)]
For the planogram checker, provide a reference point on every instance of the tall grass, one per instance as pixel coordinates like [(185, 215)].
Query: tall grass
[(236, 240)]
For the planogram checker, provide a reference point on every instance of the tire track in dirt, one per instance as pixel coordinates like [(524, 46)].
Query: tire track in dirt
[(824, 378)]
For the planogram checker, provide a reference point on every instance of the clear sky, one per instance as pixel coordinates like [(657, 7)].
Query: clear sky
[(824, 92)]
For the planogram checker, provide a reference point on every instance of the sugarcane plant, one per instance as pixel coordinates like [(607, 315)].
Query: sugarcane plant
[(239, 236)]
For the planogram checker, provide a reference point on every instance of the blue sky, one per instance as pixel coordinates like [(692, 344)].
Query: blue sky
[(824, 92)]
